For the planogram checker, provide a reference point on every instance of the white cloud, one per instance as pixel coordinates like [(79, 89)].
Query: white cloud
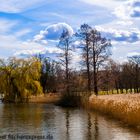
[(133, 54), (28, 52), (121, 50), (124, 23), (53, 32), (10, 45), (122, 35), (48, 52), (127, 10), (31, 47), (122, 12)]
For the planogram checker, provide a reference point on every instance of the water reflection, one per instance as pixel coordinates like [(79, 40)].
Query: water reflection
[(92, 127), (24, 118), (96, 126), (67, 123), (62, 124), (89, 136)]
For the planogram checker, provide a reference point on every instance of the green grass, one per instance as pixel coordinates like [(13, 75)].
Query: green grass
[(115, 92)]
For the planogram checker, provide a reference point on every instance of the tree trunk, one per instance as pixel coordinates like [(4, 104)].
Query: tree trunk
[(95, 72), (88, 67), (67, 69), (95, 85)]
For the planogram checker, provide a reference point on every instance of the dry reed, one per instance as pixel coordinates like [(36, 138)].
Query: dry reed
[(124, 107)]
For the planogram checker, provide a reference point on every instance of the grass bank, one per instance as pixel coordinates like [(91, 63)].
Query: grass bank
[(45, 98), (124, 107)]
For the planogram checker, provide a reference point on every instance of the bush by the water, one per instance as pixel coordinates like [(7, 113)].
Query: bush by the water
[(69, 100)]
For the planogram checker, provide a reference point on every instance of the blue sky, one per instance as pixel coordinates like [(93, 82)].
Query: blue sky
[(34, 26)]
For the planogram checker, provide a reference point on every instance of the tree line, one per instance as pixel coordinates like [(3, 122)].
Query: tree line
[(20, 78), (97, 72)]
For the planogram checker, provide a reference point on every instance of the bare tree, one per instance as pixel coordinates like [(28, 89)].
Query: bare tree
[(115, 73), (84, 35), (65, 56), (136, 61), (100, 53)]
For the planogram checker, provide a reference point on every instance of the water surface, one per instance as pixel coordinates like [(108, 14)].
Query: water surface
[(60, 123)]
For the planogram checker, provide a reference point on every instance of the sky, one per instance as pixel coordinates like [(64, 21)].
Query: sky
[(34, 26)]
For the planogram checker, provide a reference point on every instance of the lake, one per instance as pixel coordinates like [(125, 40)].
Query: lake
[(43, 121)]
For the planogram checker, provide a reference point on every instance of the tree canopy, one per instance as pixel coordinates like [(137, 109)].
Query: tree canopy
[(19, 79)]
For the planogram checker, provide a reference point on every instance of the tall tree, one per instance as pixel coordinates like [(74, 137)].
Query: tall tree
[(100, 53), (84, 35), (66, 56)]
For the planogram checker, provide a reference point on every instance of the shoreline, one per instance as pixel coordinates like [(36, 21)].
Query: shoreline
[(122, 107), (45, 98)]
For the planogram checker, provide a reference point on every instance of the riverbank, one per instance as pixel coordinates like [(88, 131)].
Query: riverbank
[(45, 98), (123, 107)]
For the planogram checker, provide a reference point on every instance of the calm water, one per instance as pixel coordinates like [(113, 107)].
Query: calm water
[(59, 123)]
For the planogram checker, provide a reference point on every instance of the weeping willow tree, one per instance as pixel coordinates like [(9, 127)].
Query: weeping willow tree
[(19, 79)]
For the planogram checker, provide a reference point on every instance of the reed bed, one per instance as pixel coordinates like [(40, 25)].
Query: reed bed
[(124, 107)]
